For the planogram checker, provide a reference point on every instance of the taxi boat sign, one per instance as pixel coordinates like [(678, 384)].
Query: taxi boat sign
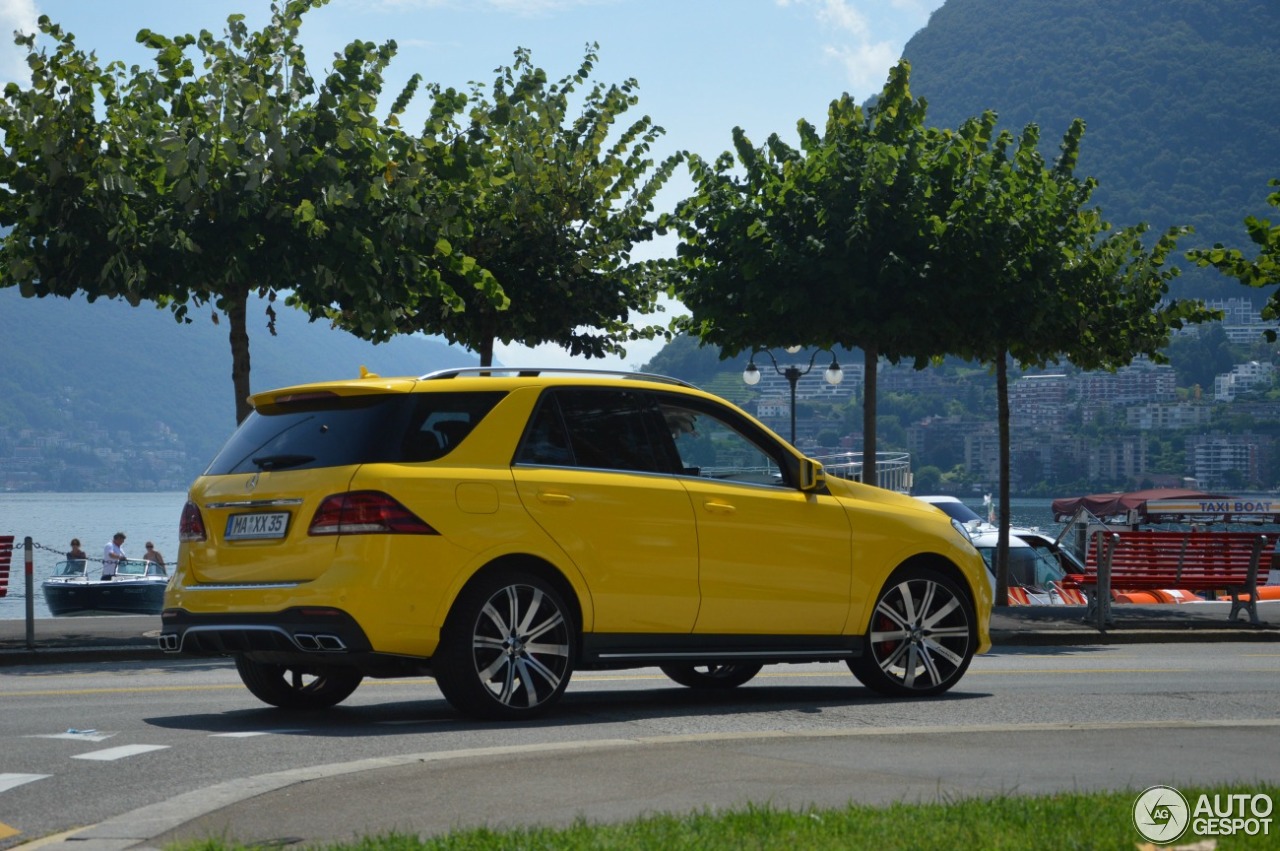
[(1222, 508)]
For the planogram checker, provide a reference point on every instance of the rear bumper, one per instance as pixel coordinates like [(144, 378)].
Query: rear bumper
[(306, 631)]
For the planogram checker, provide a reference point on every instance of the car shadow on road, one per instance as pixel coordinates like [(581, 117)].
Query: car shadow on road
[(1048, 650), (583, 707)]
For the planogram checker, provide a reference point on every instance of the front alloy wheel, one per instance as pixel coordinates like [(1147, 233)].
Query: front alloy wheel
[(922, 635), (507, 649), (288, 687)]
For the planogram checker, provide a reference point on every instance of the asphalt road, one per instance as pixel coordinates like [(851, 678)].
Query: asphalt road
[(125, 754)]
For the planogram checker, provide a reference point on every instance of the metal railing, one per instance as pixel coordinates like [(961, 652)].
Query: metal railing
[(893, 469)]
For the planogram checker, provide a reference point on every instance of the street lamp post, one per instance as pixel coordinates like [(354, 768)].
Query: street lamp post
[(833, 374)]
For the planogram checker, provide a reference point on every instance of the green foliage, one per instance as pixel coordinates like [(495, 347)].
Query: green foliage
[(565, 202), (1263, 270), (823, 245), (1034, 275), (1037, 275), (1198, 358), (201, 180), (927, 479)]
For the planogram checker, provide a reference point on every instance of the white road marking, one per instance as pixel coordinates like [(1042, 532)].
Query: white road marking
[(76, 736), (120, 752), (8, 781), (247, 733)]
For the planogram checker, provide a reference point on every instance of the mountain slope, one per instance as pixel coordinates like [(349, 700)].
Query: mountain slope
[(1179, 97)]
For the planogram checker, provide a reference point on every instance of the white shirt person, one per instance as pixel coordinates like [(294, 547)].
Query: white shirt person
[(112, 555)]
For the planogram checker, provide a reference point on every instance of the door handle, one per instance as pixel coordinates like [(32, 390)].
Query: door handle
[(551, 498), (719, 507)]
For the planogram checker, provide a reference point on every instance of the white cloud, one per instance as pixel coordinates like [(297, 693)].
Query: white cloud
[(866, 37), (842, 16), (19, 15), (866, 65)]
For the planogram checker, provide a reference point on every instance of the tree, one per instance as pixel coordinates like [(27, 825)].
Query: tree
[(564, 208), (821, 246), (1034, 276), (197, 188), (1263, 270)]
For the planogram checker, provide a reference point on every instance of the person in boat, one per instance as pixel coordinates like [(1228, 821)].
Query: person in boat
[(112, 555), (77, 555), (152, 554)]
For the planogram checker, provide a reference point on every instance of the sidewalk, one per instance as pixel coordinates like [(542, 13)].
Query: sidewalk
[(133, 638)]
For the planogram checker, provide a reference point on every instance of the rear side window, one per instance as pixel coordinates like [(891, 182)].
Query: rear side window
[(441, 421), (340, 431), (601, 429)]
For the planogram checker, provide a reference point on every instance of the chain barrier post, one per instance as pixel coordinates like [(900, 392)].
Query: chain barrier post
[(29, 548)]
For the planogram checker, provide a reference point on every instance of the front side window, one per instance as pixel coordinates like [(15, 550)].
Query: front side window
[(713, 445)]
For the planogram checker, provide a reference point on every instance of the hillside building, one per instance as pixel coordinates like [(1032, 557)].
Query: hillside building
[(1242, 378)]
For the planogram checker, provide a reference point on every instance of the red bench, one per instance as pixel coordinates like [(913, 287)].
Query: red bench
[(1196, 561), (6, 556)]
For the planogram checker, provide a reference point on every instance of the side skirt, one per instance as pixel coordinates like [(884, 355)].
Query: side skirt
[(634, 650)]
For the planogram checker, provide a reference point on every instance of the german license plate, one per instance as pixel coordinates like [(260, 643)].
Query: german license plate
[(242, 527)]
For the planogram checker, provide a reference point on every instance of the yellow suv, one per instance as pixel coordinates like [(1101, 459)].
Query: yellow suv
[(500, 528)]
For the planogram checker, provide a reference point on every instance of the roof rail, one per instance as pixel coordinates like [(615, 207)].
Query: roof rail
[(531, 372)]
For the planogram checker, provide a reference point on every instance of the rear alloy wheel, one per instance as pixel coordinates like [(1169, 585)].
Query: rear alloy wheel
[(507, 649), (711, 676), (922, 636), (317, 687)]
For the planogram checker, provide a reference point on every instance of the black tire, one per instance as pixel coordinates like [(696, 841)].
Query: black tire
[(318, 687), (921, 638), (507, 649), (711, 676)]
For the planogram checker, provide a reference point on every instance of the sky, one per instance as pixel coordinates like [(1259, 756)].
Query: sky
[(703, 66)]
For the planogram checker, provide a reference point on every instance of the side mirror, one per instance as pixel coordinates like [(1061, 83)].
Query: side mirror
[(812, 476)]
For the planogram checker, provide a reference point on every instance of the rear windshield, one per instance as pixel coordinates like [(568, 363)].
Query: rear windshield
[(345, 430)]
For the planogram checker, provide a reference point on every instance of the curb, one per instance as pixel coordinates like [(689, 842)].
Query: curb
[(71, 655), (1134, 636)]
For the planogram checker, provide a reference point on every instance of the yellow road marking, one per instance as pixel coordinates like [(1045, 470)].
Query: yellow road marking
[(135, 690), (6, 831)]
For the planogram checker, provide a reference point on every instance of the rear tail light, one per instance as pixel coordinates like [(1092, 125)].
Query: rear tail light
[(191, 526), (366, 513)]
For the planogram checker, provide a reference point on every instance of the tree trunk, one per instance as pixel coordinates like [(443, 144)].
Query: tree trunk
[(486, 352), (870, 358), (1002, 539), (237, 310)]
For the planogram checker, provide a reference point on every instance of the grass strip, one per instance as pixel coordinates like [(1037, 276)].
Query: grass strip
[(1096, 820)]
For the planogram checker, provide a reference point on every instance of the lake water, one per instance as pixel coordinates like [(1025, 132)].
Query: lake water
[(51, 520), (1032, 513)]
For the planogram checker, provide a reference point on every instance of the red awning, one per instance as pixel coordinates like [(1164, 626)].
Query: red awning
[(1103, 505)]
